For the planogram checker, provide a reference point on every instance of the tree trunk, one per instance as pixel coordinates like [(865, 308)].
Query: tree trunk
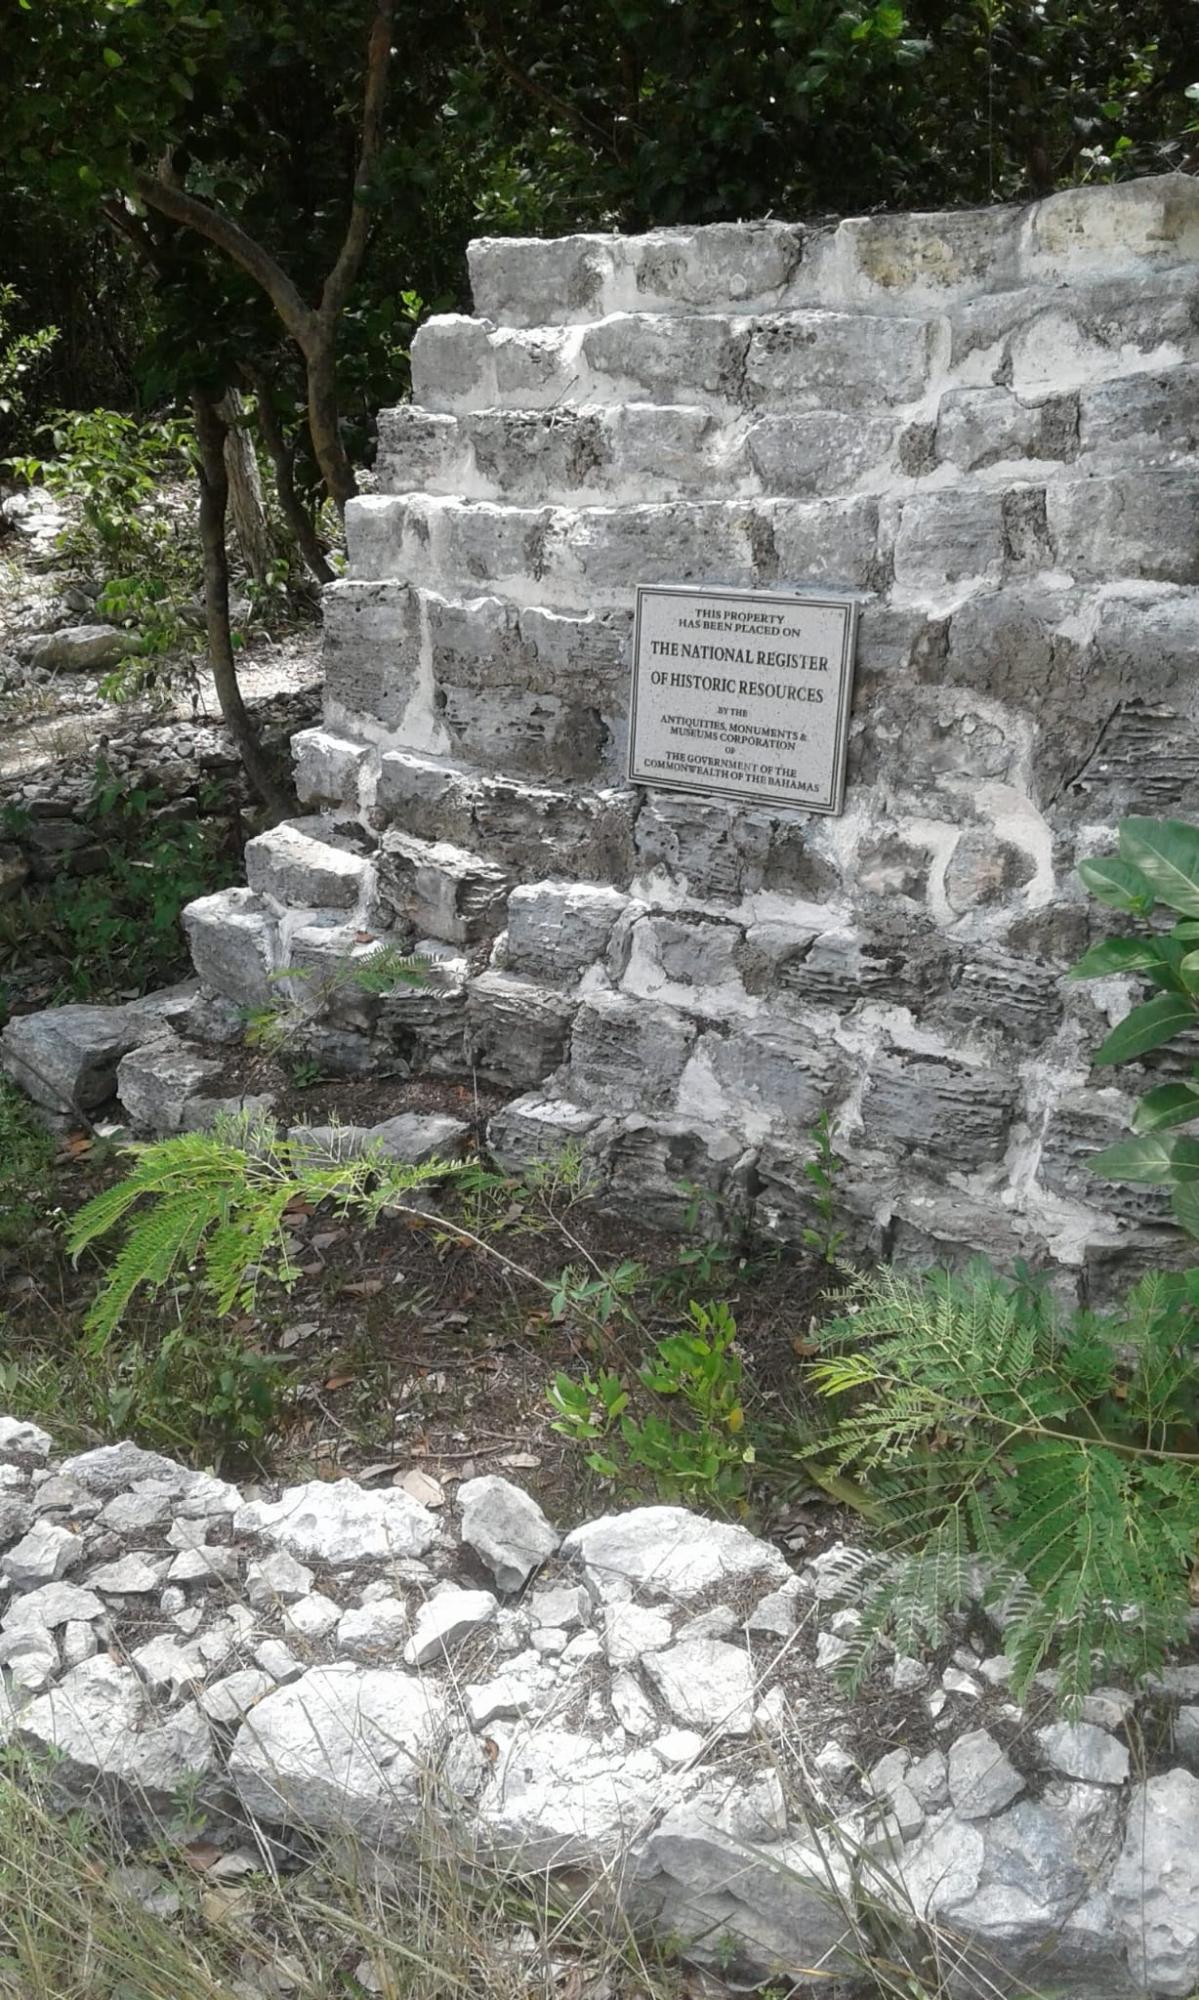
[(214, 503), (323, 415), (282, 457), (246, 504)]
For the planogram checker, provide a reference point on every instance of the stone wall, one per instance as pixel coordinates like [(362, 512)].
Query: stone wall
[(985, 425)]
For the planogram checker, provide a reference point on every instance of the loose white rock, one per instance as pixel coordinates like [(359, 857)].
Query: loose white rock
[(277, 1579), (79, 1643), (42, 1556), (377, 1627), (1079, 1750), (671, 1554), (506, 1528), (566, 1606), (445, 1620), (706, 1684), (311, 1617), (139, 1511), (164, 1663), (778, 1611), (506, 1695), (1154, 1888), (102, 1727), (229, 1699), (677, 1747), (631, 1706), (131, 1576), (630, 1631), (339, 1523), (21, 1440), (278, 1661), (53, 1605), (204, 1565), (982, 1780)]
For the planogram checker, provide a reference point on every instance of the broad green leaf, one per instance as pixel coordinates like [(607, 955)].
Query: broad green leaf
[(1185, 1203), (1116, 955), (1186, 930), (1151, 1160), (1166, 851), (1172, 1104), (1189, 969), (1147, 1027), (1117, 884)]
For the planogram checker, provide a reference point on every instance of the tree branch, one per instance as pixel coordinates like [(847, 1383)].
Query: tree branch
[(228, 235), (345, 269)]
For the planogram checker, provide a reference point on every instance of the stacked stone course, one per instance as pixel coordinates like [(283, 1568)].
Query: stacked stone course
[(983, 423)]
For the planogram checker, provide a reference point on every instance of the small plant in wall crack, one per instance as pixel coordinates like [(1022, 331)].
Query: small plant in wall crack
[(824, 1239)]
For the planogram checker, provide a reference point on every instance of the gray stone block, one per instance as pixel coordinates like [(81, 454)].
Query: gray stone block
[(488, 642), (452, 364), (328, 768), (818, 452), (537, 735), (232, 939), (323, 956), (538, 831), (937, 1105), (979, 427), (776, 1073), (688, 950), (517, 1032), (557, 930), (425, 796), (423, 1026), (722, 264), (66, 1058), (931, 258), (1142, 524), (661, 359), (838, 360), (626, 1051), (711, 850), (411, 1138), (439, 890), (370, 649), (1081, 1124), (949, 536), (1005, 992), (840, 543), (535, 1130), (418, 452), (1147, 416), (632, 452), (1130, 225), (155, 1083), (1020, 337), (1146, 762), (295, 867), (670, 1175)]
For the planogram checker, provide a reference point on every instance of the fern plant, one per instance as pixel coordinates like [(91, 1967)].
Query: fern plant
[(219, 1200), (1042, 1462)]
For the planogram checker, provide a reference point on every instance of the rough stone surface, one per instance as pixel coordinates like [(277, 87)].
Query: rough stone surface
[(339, 1523), (506, 1529), (670, 1555)]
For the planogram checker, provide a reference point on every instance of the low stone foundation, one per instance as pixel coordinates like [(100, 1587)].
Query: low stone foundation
[(647, 1699)]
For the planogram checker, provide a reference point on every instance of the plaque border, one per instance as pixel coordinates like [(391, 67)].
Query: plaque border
[(843, 602)]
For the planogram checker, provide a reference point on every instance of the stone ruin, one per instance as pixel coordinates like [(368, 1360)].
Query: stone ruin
[(981, 423), (646, 1702)]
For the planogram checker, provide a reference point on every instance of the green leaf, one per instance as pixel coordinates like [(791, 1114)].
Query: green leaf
[(112, 60), (1156, 1162), (1116, 955), (1147, 1027), (1185, 1203), (1166, 851), (1172, 1104), (1117, 884)]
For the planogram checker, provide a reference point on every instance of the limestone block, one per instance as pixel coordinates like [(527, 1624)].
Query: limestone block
[(836, 360), (984, 871), (506, 1529), (534, 1130), (452, 364), (328, 768), (292, 865), (1080, 1124), (931, 1225), (440, 890), (541, 830), (627, 1051), (839, 967), (1154, 1887), (678, 1174), (67, 1056), (370, 648), (534, 370), (672, 1556), (418, 452), (339, 1523), (424, 796), (657, 358), (1044, 340), (324, 955), (817, 452), (489, 642), (835, 542), (737, 264), (1143, 524), (538, 735), (955, 1111), (512, 276), (1153, 415), (598, 553), (713, 851), (155, 1083), (979, 427), (101, 1730), (1006, 991), (1102, 230), (929, 258), (80, 649), (633, 452), (232, 939), (556, 930), (1146, 762), (782, 1075), (516, 1030), (947, 536), (412, 1137)]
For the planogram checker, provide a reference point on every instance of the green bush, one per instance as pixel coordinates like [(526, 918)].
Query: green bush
[(1155, 871), (1044, 1458)]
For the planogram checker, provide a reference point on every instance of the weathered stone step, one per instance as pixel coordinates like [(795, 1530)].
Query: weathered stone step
[(1127, 524), (629, 453), (1036, 340), (882, 260), (299, 864)]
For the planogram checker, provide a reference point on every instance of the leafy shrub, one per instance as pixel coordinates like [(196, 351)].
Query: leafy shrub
[(26, 1151), (1155, 870), (217, 1202), (1042, 1458), (706, 1456), (21, 355)]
